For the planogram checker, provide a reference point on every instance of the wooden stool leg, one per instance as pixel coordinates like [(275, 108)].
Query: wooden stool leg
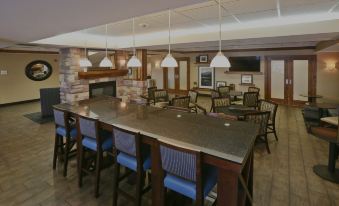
[(81, 163), (67, 149), (267, 146), (275, 133), (140, 180), (55, 153), (97, 172), (116, 183)]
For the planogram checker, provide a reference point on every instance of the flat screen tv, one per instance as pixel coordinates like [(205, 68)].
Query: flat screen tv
[(245, 64)]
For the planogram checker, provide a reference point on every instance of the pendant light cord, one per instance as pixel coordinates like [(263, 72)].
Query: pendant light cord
[(106, 39), (219, 26), (133, 37), (169, 31)]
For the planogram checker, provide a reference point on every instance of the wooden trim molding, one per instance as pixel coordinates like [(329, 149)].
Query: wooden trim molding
[(97, 73)]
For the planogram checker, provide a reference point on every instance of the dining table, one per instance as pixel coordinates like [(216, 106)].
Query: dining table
[(224, 144), (238, 111)]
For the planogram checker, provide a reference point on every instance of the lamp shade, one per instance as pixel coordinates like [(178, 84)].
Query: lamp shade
[(220, 61), (105, 62), (134, 62), (85, 62), (169, 61)]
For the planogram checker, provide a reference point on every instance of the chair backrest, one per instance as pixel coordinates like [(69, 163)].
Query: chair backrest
[(260, 118), (89, 127), (251, 99), (193, 96), (60, 117), (224, 91), (269, 106), (160, 95), (181, 102), (125, 142), (220, 102), (150, 92), (214, 93), (180, 162), (232, 87), (253, 89)]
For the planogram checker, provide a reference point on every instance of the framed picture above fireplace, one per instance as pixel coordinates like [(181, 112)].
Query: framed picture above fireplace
[(206, 77)]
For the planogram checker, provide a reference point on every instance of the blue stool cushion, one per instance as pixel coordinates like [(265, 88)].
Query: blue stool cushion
[(131, 162), (62, 132), (188, 188), (91, 143)]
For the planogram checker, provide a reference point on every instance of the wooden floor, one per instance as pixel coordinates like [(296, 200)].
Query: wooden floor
[(284, 177)]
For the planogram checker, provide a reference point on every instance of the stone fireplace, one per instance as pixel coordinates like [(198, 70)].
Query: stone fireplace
[(74, 89)]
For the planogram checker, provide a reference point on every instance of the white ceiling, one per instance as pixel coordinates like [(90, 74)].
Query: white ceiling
[(242, 19), (31, 20)]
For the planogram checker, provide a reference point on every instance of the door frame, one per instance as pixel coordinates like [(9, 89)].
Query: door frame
[(288, 88), (177, 80)]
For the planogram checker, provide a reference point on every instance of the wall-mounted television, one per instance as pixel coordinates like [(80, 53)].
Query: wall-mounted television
[(245, 64)]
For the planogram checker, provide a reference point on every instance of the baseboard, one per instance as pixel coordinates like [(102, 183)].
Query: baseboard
[(20, 102)]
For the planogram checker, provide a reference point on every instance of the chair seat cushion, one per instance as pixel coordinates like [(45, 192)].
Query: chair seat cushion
[(328, 134), (188, 188), (131, 162), (91, 143), (62, 132)]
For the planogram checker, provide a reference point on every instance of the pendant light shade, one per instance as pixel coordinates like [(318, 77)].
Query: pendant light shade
[(84, 62), (133, 61), (169, 61), (220, 60), (105, 62)]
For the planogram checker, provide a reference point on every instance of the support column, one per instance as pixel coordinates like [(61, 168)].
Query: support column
[(71, 88)]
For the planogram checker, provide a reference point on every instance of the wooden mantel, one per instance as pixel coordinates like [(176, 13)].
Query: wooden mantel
[(101, 73)]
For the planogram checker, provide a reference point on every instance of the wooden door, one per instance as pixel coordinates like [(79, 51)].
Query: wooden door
[(287, 77), (177, 80)]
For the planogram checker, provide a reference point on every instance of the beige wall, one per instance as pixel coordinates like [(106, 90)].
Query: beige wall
[(15, 86), (258, 78), (328, 76)]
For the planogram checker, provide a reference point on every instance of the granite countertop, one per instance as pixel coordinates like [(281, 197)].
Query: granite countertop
[(227, 139)]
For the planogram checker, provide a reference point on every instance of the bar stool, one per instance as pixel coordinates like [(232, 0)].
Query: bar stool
[(93, 140), (185, 172), (330, 135), (63, 129), (131, 154)]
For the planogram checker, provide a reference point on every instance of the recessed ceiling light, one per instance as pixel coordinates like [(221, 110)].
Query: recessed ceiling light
[(143, 25)]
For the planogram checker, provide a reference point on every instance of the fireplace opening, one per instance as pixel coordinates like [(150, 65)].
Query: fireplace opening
[(102, 89)]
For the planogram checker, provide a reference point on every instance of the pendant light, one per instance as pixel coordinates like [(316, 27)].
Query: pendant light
[(133, 61), (105, 62), (169, 61), (220, 60), (84, 61)]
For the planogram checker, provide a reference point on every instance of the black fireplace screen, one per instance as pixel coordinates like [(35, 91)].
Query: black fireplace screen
[(102, 88)]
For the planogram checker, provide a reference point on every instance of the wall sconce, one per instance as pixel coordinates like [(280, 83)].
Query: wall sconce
[(157, 64), (331, 66), (122, 62)]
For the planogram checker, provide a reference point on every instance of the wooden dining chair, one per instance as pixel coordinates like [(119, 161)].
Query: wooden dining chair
[(93, 140), (132, 154), (193, 100), (254, 89), (272, 108), (185, 173), (182, 102), (219, 104), (160, 95), (224, 91), (251, 99), (260, 118), (65, 138), (214, 93)]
